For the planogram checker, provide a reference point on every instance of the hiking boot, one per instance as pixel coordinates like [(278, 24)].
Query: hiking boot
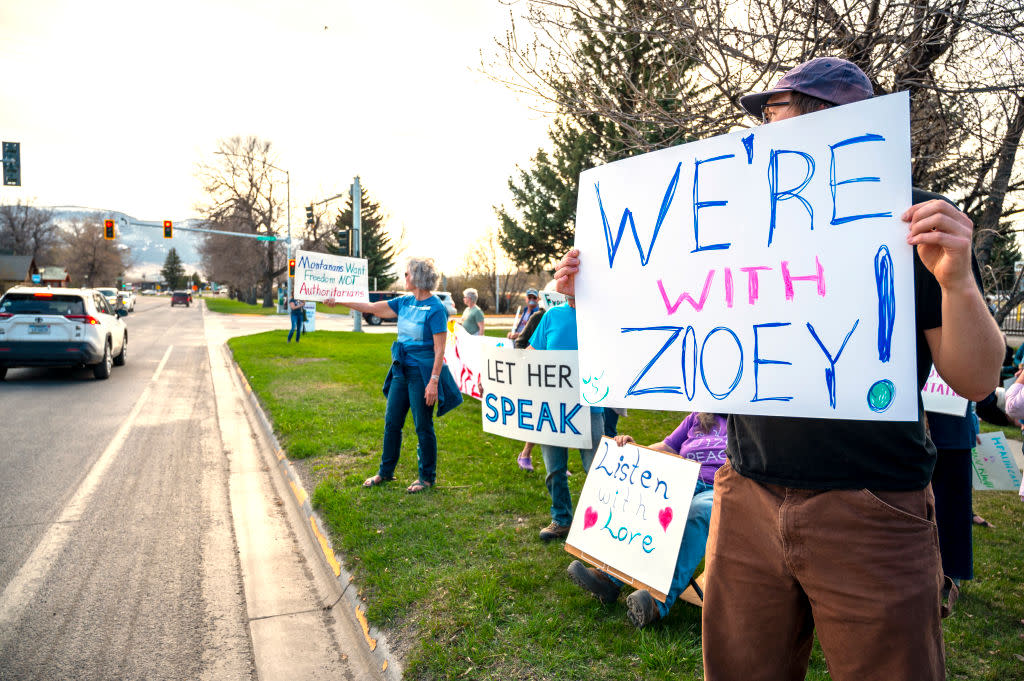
[(594, 581), (641, 608), (554, 531)]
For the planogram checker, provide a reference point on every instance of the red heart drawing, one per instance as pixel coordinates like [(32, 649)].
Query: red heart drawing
[(589, 518), (665, 517)]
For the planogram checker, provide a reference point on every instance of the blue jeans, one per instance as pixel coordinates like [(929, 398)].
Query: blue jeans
[(297, 319), (611, 423), (691, 549), (406, 392), (556, 462)]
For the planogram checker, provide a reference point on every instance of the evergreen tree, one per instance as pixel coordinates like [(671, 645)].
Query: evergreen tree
[(626, 67), (378, 249), (173, 271)]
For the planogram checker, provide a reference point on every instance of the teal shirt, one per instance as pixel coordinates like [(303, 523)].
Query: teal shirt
[(471, 320), (557, 331), (418, 321)]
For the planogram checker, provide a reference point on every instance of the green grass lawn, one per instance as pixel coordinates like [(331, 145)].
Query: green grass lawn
[(458, 575), (228, 306)]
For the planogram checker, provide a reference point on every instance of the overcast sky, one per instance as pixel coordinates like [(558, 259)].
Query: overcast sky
[(114, 103)]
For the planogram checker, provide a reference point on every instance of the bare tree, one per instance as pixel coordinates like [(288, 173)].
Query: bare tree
[(27, 230), (962, 61), (487, 268), (243, 196), (92, 260)]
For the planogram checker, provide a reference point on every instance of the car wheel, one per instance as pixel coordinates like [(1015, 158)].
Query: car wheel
[(122, 357), (102, 370), (374, 320)]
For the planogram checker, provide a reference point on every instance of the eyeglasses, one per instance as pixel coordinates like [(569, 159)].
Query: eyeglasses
[(766, 114)]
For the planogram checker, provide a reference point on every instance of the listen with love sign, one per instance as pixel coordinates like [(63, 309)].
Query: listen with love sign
[(632, 513)]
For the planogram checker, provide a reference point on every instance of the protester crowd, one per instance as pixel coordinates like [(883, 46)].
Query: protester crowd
[(858, 532)]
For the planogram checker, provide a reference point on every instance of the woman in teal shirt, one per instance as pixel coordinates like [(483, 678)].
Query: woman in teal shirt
[(417, 372)]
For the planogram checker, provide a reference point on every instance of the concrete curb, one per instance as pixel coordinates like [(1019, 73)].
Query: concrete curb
[(315, 528)]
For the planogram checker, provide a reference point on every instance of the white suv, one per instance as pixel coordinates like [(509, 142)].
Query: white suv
[(61, 327), (446, 300)]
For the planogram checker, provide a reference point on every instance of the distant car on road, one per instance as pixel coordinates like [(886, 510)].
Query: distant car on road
[(446, 300), (376, 296), (181, 298), (61, 327), (110, 294), (127, 300)]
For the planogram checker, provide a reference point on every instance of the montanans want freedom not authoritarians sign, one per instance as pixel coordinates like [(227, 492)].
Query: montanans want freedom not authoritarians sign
[(320, 276)]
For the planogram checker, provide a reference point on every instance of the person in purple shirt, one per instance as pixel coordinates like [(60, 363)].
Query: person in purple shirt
[(700, 437)]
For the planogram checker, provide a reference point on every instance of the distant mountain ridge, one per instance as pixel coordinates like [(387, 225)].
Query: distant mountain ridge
[(147, 244)]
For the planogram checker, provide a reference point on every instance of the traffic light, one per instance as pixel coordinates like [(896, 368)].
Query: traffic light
[(108, 229), (168, 229), (345, 242), (309, 215), (291, 267), (12, 164)]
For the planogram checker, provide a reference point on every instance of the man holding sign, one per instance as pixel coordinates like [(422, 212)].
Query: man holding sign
[(821, 523)]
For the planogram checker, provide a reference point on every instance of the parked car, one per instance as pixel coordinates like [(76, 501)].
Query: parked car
[(181, 298), (376, 296), (61, 327), (446, 300)]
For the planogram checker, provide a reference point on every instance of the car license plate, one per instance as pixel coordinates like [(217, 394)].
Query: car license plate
[(38, 328)]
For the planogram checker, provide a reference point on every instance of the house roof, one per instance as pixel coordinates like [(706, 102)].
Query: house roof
[(15, 267), (54, 273)]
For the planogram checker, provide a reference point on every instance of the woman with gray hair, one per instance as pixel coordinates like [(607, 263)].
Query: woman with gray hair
[(472, 318), (418, 378)]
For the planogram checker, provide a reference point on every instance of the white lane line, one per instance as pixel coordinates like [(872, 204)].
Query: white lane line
[(22, 588)]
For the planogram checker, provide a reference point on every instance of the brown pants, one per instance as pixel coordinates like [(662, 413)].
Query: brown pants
[(862, 568)]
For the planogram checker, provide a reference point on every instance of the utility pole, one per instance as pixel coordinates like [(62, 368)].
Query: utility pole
[(357, 240)]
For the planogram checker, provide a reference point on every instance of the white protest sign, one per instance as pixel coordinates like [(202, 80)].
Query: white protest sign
[(994, 465), (761, 272), (319, 276), (632, 512), (534, 396), (463, 353), (938, 397), (309, 321)]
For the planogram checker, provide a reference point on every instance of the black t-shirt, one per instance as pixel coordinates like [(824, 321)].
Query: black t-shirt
[(811, 453)]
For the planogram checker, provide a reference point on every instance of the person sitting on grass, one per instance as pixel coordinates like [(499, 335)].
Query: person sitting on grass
[(418, 377), (700, 437)]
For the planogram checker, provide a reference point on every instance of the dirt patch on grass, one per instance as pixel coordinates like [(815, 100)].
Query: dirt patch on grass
[(304, 360)]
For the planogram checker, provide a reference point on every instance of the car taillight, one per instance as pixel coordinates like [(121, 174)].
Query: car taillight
[(84, 318), (6, 315)]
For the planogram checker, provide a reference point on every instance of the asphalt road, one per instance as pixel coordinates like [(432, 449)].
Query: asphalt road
[(117, 558)]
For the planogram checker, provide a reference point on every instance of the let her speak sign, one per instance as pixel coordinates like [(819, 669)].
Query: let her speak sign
[(632, 512), (761, 272), (534, 396)]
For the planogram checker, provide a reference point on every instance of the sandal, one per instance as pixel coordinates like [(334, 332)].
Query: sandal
[(376, 480), (978, 520), (525, 462), (418, 486)]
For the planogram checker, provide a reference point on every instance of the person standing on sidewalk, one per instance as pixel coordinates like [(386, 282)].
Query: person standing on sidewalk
[(828, 526), (297, 312)]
